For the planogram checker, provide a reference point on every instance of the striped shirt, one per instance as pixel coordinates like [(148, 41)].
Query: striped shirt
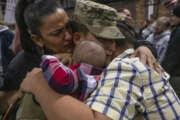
[(130, 90)]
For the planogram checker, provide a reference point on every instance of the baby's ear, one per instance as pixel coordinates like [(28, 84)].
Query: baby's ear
[(76, 37)]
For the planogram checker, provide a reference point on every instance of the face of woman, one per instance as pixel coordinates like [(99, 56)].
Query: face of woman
[(55, 32)]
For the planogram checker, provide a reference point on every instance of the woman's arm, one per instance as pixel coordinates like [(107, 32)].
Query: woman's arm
[(57, 106)]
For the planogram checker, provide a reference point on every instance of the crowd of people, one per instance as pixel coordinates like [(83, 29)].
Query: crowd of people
[(163, 34), (89, 63)]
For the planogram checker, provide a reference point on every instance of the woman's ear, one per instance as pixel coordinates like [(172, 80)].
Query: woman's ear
[(37, 40), (76, 37)]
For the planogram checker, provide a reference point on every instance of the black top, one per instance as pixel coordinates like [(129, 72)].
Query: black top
[(146, 44), (171, 62), (22, 63)]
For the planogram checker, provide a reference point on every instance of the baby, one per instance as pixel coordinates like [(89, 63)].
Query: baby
[(80, 78)]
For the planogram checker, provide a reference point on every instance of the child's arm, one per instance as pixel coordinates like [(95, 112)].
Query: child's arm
[(61, 78)]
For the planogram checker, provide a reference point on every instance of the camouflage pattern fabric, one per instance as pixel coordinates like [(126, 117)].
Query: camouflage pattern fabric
[(101, 20), (121, 16), (29, 110)]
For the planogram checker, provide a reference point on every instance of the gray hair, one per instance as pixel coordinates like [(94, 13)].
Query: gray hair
[(163, 21)]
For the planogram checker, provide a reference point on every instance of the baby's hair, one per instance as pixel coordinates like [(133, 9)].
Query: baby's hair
[(90, 52)]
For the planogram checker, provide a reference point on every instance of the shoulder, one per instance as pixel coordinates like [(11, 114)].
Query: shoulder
[(7, 34), (132, 65), (24, 61), (19, 58), (126, 62), (17, 69), (166, 37), (150, 37)]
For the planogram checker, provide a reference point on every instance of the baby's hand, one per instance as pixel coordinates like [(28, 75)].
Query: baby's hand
[(65, 58)]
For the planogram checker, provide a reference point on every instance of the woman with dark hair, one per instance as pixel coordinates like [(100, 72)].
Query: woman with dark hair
[(43, 27)]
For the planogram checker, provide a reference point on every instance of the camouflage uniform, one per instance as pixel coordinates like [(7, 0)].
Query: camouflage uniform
[(101, 20)]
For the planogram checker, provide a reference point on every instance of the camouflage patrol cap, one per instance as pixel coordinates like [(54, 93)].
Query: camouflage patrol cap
[(121, 16), (101, 20)]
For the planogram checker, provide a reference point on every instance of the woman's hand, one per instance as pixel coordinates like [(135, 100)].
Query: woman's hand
[(145, 55)]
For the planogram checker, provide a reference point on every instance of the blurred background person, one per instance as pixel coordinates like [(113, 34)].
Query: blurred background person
[(160, 37), (172, 57), (150, 28)]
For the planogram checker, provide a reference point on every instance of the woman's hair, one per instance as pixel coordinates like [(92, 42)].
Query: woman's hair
[(78, 27), (29, 15)]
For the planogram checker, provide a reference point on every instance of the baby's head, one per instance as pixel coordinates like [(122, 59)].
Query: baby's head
[(90, 52)]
